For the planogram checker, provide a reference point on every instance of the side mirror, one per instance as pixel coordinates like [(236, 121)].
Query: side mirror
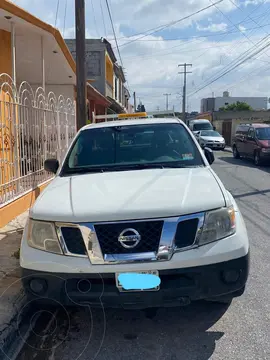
[(51, 165), (209, 155), (214, 128)]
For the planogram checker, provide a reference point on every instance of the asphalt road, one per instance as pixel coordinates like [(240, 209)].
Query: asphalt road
[(198, 332)]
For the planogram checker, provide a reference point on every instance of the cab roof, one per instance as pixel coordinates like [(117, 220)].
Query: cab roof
[(255, 125), (146, 121), (199, 120)]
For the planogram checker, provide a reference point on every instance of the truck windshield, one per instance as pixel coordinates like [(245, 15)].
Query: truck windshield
[(210, 133), (202, 126), (263, 133), (133, 146)]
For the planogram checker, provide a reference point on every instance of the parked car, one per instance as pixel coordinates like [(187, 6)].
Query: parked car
[(200, 124), (171, 234), (252, 141), (211, 139)]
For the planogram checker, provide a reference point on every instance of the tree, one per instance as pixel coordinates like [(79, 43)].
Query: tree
[(238, 106)]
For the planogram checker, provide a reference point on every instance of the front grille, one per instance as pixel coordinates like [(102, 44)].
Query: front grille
[(74, 241), (150, 232), (186, 233)]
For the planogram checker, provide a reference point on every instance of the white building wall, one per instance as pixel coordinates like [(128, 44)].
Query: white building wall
[(66, 90), (257, 103)]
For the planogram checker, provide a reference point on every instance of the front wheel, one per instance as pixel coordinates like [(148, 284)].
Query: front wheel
[(257, 158), (236, 154)]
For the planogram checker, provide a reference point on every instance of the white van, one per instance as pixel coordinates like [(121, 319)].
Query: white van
[(200, 124)]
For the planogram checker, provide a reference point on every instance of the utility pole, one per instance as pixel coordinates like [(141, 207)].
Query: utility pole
[(80, 63), (167, 100), (185, 72), (134, 97)]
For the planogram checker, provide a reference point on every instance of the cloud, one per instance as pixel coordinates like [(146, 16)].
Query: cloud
[(241, 28), (152, 62), (213, 27)]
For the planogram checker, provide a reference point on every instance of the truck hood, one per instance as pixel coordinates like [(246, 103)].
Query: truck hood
[(114, 196), (265, 143)]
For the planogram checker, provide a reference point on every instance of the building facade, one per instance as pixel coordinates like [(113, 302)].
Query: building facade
[(215, 103), (37, 106), (103, 72)]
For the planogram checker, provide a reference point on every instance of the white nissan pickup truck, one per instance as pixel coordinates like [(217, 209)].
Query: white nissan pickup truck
[(135, 217)]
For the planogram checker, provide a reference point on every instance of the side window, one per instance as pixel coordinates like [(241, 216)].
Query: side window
[(251, 133)]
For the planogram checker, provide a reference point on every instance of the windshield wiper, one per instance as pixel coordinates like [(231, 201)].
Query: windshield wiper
[(127, 167), (82, 171)]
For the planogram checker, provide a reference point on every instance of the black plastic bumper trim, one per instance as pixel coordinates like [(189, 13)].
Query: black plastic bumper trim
[(178, 286)]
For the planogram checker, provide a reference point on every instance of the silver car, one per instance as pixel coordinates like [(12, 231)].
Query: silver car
[(211, 139)]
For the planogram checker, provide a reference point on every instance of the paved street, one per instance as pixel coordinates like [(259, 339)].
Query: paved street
[(198, 332)]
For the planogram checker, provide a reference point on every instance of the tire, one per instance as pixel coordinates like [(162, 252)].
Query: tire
[(257, 158), (235, 152)]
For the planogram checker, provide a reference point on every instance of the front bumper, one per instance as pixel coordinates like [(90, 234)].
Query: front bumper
[(214, 146), (178, 286)]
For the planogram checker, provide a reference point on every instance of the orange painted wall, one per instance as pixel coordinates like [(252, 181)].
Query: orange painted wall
[(17, 207), (5, 53), (109, 70)]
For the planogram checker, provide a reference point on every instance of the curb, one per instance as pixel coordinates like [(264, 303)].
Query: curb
[(228, 149), (10, 331)]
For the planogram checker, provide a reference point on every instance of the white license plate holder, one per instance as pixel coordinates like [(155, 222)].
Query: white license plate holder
[(121, 289)]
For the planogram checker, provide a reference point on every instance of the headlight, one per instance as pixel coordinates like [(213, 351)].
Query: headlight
[(42, 235), (266, 150), (218, 224)]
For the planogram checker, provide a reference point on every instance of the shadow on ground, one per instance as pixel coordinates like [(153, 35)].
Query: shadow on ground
[(169, 333)]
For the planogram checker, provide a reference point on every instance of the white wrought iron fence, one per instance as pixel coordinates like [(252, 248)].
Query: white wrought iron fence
[(33, 126)]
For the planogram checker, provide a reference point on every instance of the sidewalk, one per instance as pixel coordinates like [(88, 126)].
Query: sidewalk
[(12, 297)]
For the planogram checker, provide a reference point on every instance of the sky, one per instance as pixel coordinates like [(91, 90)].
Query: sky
[(227, 43)]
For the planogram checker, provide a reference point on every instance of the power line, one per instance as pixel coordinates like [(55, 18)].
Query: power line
[(56, 14), (161, 53), (229, 31), (198, 36), (95, 21), (115, 38), (65, 15), (241, 22), (244, 78), (162, 27), (103, 18), (226, 17), (234, 67), (245, 52), (234, 62)]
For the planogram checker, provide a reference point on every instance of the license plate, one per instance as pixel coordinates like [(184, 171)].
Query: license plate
[(123, 287)]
